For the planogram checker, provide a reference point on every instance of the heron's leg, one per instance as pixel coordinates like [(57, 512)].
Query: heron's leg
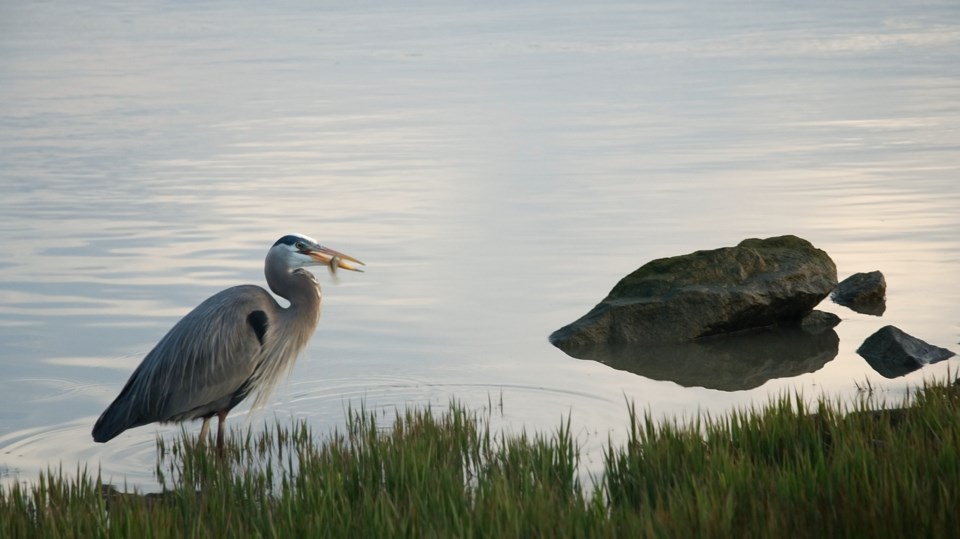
[(205, 430), (221, 428)]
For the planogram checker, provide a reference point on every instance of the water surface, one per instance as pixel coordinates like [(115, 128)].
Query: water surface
[(498, 167)]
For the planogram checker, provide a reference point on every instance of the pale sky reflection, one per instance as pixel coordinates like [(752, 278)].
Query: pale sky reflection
[(498, 168)]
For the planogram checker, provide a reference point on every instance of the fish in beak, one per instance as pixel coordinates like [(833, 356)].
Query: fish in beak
[(334, 259)]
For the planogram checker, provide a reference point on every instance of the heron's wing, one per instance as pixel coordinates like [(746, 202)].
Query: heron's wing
[(202, 363)]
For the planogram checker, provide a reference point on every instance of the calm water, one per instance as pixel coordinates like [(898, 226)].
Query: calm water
[(499, 168)]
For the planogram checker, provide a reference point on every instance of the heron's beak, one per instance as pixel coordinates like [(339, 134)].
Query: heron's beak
[(334, 259)]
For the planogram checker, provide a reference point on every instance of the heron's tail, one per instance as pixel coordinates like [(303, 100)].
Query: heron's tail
[(109, 425), (118, 417)]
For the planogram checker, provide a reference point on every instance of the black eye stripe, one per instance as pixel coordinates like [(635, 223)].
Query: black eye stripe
[(294, 240)]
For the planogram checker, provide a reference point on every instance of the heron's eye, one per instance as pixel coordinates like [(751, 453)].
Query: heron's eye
[(300, 246)]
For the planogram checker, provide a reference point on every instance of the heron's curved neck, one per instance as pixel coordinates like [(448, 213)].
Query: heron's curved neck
[(299, 287)]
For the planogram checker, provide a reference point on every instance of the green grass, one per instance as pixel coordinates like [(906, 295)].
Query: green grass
[(779, 471)]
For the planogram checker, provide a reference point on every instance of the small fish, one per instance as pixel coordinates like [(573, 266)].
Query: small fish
[(333, 266)]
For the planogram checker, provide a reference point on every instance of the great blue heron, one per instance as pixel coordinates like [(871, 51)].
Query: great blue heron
[(237, 341)]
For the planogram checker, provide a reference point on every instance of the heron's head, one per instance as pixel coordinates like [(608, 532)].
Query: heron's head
[(298, 251)]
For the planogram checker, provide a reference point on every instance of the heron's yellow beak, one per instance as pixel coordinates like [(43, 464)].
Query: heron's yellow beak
[(334, 259)]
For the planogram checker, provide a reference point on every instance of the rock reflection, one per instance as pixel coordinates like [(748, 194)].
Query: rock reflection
[(892, 368), (873, 308), (729, 363)]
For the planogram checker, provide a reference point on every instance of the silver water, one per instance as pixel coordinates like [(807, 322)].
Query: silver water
[(498, 167)]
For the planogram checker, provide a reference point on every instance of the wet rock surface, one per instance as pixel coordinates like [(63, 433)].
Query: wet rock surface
[(864, 293), (893, 353), (819, 321), (759, 283)]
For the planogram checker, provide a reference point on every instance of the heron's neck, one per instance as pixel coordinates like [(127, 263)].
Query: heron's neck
[(301, 289)]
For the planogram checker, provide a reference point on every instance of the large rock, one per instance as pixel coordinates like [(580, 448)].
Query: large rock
[(864, 293), (893, 353), (758, 283)]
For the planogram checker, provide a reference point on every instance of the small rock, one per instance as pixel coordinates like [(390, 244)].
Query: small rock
[(893, 353), (862, 292), (819, 321)]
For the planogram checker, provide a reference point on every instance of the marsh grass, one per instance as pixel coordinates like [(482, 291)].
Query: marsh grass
[(779, 471)]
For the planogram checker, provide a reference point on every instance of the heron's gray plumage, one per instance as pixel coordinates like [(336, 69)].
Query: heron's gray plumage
[(239, 341)]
